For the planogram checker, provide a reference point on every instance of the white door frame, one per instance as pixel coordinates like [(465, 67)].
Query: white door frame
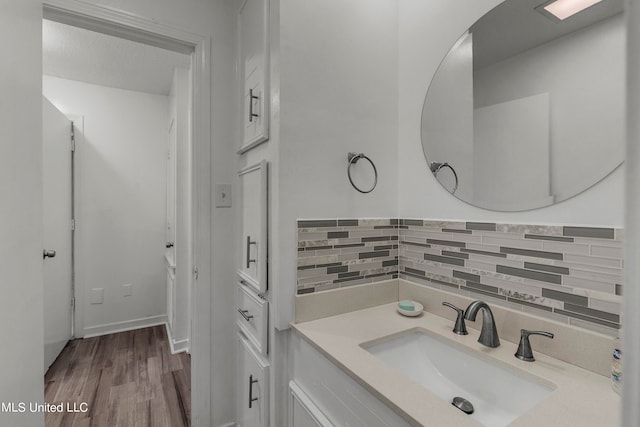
[(140, 29)]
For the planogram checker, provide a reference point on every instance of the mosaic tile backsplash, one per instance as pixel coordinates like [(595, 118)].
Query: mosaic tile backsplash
[(570, 274)]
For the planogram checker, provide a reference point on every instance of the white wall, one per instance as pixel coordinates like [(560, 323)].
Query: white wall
[(447, 127), (338, 92), (180, 106), (120, 200), (426, 32), (21, 307), (215, 19), (583, 73)]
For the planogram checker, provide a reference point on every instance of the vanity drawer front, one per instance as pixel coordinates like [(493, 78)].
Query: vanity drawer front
[(252, 317)]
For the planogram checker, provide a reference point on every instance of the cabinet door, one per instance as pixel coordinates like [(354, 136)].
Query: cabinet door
[(303, 412), (253, 36), (252, 317), (252, 400), (253, 268)]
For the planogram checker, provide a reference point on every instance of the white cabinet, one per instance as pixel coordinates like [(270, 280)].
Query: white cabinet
[(253, 268), (303, 412), (334, 394), (252, 385), (252, 317), (253, 36)]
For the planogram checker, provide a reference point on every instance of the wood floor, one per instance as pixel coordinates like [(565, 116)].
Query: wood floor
[(128, 379)]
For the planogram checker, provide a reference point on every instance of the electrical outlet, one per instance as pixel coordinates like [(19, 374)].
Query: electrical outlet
[(127, 289), (97, 296)]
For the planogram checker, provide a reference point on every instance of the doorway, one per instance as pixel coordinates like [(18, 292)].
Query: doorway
[(141, 30)]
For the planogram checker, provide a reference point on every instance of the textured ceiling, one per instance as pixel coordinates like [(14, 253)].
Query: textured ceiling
[(78, 54)]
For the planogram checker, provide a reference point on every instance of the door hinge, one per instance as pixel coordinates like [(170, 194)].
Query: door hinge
[(73, 303), (73, 225), (195, 273), (73, 138)]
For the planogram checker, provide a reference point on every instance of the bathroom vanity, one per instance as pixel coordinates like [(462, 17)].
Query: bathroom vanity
[(364, 389)]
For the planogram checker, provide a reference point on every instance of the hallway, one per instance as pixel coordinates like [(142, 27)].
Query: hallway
[(126, 379)]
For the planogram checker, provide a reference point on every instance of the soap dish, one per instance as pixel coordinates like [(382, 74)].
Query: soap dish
[(417, 309)]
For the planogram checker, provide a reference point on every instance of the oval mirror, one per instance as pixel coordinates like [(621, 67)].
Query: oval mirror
[(527, 109)]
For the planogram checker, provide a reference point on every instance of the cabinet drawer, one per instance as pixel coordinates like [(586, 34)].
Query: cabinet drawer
[(252, 399), (252, 317)]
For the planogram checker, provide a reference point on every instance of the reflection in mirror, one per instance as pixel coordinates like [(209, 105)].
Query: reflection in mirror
[(526, 109)]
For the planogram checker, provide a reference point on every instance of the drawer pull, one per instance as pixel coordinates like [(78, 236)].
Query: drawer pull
[(251, 383), (249, 243), (252, 97), (244, 314)]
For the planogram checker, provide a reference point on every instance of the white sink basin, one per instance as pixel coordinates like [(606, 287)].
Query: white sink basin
[(498, 392)]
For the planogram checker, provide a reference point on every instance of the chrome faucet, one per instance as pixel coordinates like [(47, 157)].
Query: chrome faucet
[(488, 334)]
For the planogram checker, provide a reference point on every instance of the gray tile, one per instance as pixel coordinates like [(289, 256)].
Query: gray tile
[(389, 262), (337, 235), (415, 222), (348, 245), (530, 304), (444, 259), (306, 267), (531, 253), (317, 223), (552, 238), (384, 227), (455, 254), (486, 226), (480, 291), (349, 274), (330, 264), (480, 286), (587, 318), (394, 221), (348, 222), (414, 271), (566, 297), (600, 233), (593, 313), (305, 291), (466, 276), (488, 253), (618, 289), (370, 276), (447, 243), (424, 245), (384, 247), (341, 269), (453, 230), (376, 239), (376, 254), (528, 274), (348, 279), (317, 248), (545, 267)]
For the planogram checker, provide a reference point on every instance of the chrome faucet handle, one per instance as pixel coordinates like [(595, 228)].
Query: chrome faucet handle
[(460, 328), (524, 348)]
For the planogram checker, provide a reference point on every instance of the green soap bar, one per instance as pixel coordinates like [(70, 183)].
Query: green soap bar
[(406, 305)]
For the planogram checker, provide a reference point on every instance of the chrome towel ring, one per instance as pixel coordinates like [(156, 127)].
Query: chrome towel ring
[(435, 168), (353, 159)]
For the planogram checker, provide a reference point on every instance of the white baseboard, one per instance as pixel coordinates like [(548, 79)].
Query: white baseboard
[(177, 346), (228, 425), (127, 325)]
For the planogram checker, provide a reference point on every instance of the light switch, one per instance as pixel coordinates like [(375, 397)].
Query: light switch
[(127, 289), (223, 195), (97, 295)]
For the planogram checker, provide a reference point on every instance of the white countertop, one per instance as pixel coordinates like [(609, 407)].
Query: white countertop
[(581, 398)]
